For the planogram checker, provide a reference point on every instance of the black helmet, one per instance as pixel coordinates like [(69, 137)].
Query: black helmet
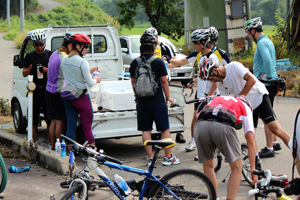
[(147, 39)]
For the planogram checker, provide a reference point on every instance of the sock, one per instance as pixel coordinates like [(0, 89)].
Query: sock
[(192, 139), (275, 142), (217, 198), (270, 149)]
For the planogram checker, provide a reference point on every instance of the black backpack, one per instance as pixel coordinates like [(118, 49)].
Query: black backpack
[(145, 84)]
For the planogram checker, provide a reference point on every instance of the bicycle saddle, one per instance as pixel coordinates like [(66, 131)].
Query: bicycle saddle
[(165, 143)]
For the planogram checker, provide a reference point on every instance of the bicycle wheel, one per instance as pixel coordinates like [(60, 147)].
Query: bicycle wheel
[(75, 191), (217, 160), (246, 164), (3, 175), (186, 184)]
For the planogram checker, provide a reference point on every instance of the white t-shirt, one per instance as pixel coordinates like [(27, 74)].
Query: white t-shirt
[(203, 87), (234, 83)]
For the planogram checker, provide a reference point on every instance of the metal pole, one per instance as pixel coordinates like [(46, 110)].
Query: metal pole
[(30, 87), (7, 11), (22, 15), (288, 28)]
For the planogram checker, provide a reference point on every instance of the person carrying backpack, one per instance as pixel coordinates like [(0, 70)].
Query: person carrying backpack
[(148, 73)]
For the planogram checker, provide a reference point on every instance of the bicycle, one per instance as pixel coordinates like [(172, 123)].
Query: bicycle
[(3, 175), (178, 184), (268, 184)]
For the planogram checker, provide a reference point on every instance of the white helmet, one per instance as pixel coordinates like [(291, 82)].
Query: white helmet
[(151, 31), (252, 23), (205, 69), (38, 36), (199, 35), (214, 35)]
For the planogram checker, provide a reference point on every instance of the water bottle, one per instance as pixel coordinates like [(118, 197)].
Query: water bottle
[(14, 169), (122, 184), (63, 149), (95, 73), (57, 147)]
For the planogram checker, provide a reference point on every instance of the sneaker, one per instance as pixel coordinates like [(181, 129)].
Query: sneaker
[(266, 153), (180, 138), (196, 158), (191, 146), (277, 147), (170, 161), (149, 161)]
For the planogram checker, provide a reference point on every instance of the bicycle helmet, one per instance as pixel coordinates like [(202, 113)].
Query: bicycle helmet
[(205, 69), (148, 39), (67, 37), (252, 24), (214, 35), (80, 38), (151, 31), (38, 36), (200, 35), (244, 99)]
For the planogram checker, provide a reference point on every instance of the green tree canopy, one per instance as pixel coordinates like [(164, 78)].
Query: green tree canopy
[(167, 16)]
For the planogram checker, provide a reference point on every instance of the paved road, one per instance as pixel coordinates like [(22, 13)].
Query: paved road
[(49, 5)]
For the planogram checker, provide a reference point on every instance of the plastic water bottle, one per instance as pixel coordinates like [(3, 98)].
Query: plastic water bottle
[(14, 169), (63, 149), (57, 147), (122, 184), (95, 73)]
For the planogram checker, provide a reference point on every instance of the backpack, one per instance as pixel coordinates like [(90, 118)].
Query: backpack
[(145, 84)]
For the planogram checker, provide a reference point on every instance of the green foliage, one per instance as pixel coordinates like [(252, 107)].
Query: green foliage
[(15, 7), (78, 12), (280, 24), (4, 107), (166, 16), (266, 9)]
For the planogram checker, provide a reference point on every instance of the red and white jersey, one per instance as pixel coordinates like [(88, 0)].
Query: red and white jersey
[(229, 110)]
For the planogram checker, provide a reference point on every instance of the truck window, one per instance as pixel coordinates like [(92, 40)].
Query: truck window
[(28, 47), (99, 44), (56, 43), (123, 43)]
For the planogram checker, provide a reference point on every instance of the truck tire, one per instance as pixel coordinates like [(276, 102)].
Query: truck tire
[(19, 123)]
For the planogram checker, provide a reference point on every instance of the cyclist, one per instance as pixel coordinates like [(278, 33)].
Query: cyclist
[(54, 103), (166, 52), (216, 129), (40, 56), (76, 72), (200, 38), (264, 70), (153, 108), (234, 78), (291, 143), (220, 53)]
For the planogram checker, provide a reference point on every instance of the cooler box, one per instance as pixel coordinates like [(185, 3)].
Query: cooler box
[(117, 100)]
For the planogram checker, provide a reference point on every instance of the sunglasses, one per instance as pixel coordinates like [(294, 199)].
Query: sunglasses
[(86, 46), (39, 44)]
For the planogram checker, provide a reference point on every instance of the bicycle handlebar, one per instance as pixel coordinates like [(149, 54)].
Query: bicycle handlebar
[(101, 157)]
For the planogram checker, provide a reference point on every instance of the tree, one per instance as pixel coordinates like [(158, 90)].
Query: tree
[(167, 16), (15, 7)]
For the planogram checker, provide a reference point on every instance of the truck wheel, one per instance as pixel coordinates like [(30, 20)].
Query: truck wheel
[(19, 124)]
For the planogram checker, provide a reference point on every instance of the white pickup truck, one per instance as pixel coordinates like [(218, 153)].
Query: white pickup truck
[(114, 108)]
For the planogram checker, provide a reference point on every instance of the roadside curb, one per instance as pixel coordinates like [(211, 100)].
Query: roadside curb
[(46, 157)]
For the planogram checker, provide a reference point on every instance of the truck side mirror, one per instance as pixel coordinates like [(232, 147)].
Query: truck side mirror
[(124, 50), (16, 60), (180, 50)]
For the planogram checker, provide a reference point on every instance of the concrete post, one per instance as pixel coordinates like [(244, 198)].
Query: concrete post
[(22, 25), (8, 11), (31, 87)]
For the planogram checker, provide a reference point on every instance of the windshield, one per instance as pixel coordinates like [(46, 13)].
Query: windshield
[(135, 44)]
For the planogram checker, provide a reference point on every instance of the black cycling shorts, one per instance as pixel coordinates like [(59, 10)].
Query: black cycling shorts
[(264, 111)]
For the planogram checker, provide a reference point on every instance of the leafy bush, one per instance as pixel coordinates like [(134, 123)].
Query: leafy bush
[(78, 12)]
